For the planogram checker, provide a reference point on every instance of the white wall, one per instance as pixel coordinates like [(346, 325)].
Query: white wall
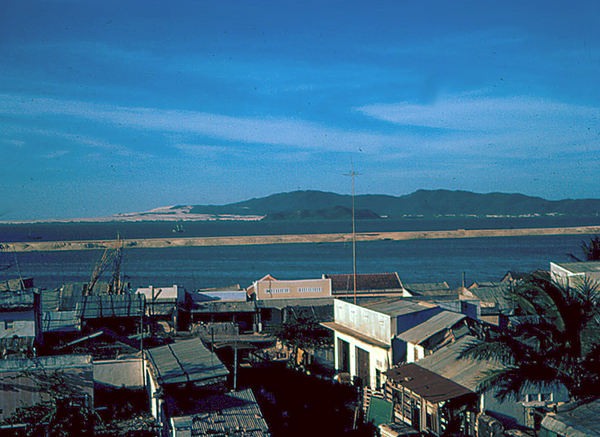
[(368, 322), (119, 373), (379, 359), (414, 352)]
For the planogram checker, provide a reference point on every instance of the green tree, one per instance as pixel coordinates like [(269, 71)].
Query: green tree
[(302, 332), (554, 340), (590, 251)]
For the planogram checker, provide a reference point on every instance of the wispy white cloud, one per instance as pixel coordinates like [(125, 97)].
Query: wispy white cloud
[(276, 131), (486, 114), (56, 154), (12, 143), (473, 123), (201, 149)]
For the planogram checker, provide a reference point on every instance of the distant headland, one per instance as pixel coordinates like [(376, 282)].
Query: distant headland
[(319, 205)]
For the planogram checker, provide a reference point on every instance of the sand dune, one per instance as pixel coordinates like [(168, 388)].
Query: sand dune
[(289, 239)]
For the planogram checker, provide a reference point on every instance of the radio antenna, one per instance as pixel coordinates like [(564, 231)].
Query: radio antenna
[(352, 174)]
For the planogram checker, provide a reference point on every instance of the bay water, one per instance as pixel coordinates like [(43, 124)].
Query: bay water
[(416, 261)]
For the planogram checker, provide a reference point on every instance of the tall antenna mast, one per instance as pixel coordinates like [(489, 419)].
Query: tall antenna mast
[(352, 174)]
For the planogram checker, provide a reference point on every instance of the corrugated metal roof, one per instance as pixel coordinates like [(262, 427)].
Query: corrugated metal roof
[(186, 361), (234, 413), (425, 383), (466, 372), (16, 284), (50, 300), (439, 322), (225, 295), (111, 305), (224, 307), (581, 421), (71, 294), (397, 306), (61, 321), (497, 295), (16, 300), (49, 362), (429, 288)]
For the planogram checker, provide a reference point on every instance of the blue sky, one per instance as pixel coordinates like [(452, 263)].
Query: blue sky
[(111, 107)]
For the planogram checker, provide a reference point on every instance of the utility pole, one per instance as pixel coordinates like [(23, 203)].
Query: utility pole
[(353, 174)]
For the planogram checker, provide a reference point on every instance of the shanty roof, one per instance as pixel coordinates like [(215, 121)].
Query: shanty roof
[(50, 300), (16, 300), (17, 284), (581, 267), (432, 288), (495, 293), (186, 361), (427, 384), (239, 295), (72, 293), (397, 306), (365, 282), (581, 421), (478, 284), (439, 322), (45, 363), (466, 372), (228, 306), (225, 415), (111, 305), (61, 321)]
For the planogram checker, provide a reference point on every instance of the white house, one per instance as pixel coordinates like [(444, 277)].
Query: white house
[(366, 336), (574, 274)]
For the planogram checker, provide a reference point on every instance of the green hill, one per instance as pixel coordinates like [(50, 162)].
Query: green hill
[(319, 205)]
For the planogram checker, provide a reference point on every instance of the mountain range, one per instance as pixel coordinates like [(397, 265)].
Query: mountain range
[(319, 205)]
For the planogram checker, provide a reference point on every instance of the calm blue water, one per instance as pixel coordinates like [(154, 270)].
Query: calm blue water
[(482, 259)]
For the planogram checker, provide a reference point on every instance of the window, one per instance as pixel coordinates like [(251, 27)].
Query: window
[(8, 324), (546, 397), (310, 290), (277, 290)]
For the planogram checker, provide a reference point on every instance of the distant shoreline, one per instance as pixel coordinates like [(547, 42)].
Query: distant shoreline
[(140, 243)]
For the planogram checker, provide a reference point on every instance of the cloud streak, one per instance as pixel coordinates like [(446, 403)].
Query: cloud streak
[(276, 131)]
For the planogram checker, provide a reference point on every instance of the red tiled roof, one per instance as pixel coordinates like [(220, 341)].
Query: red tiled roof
[(365, 282)]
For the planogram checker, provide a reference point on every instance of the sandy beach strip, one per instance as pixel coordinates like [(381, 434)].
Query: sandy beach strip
[(39, 246)]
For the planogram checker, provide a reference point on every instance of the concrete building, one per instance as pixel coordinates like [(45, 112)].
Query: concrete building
[(161, 302), (574, 274), (20, 319), (366, 335), (269, 288)]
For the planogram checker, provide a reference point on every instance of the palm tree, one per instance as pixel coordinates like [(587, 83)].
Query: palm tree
[(554, 340), (591, 250)]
